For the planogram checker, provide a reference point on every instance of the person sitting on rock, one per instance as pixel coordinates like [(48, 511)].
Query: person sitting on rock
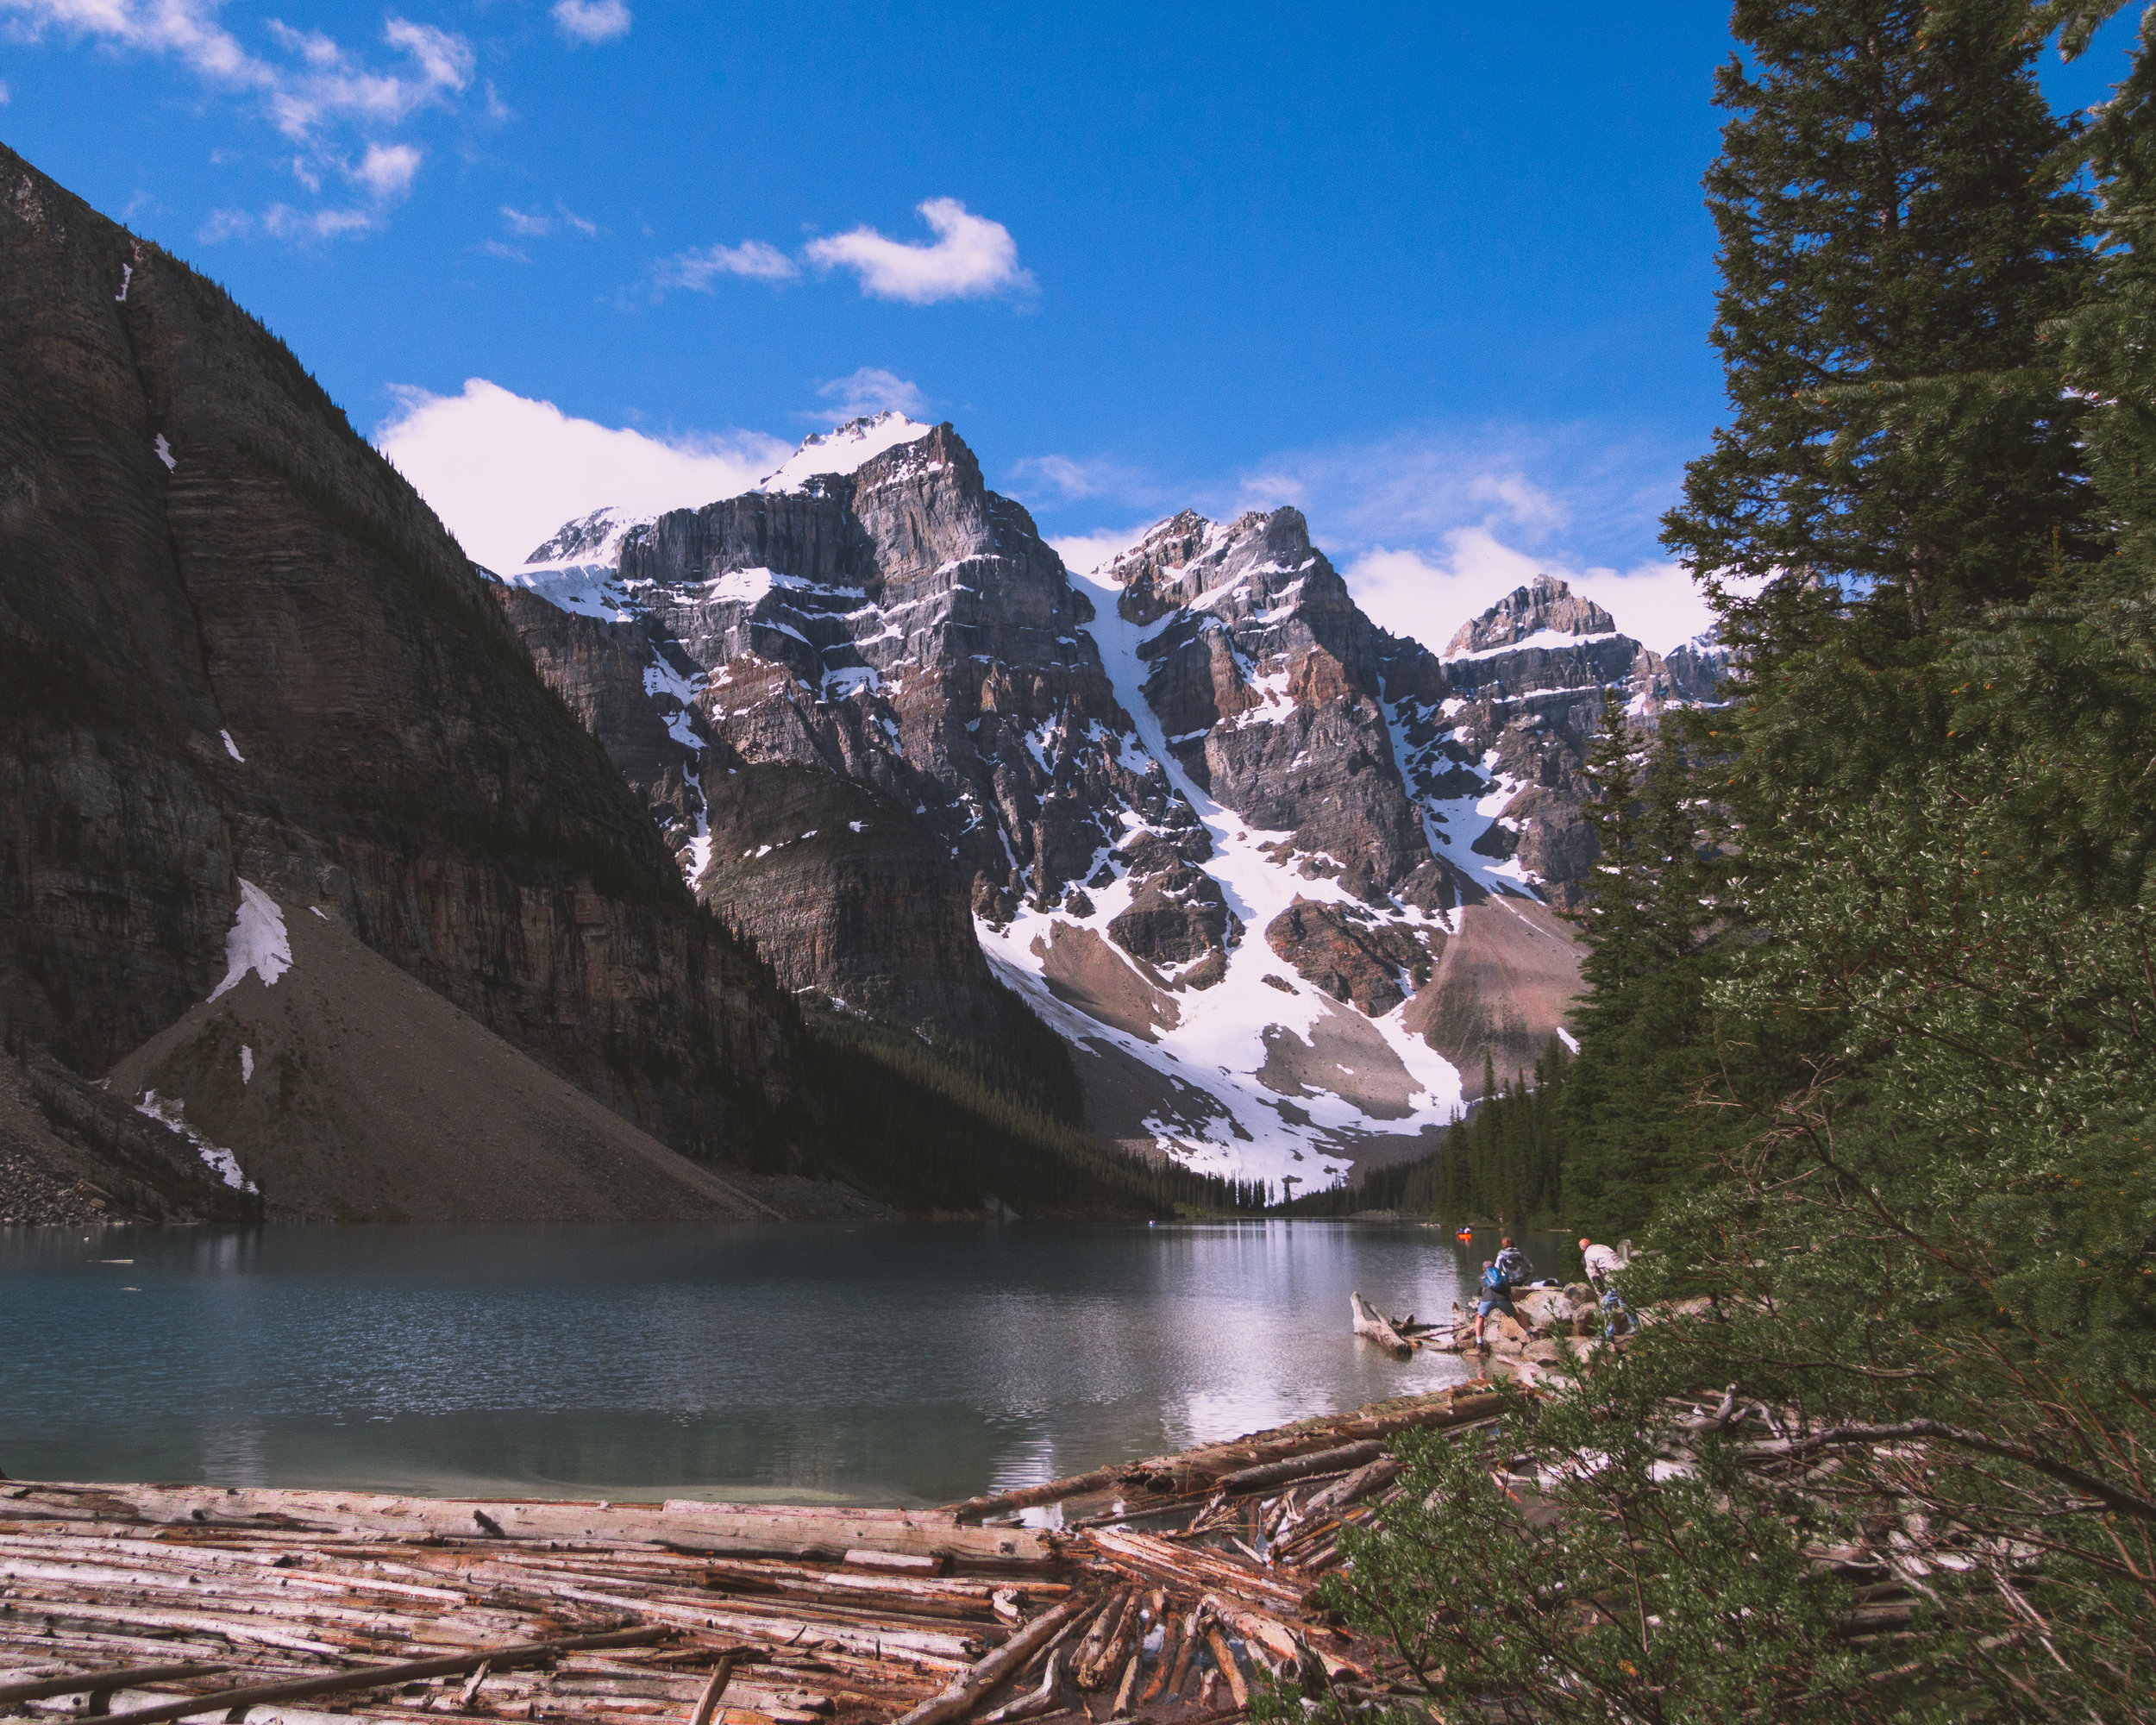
[(1602, 1264), (1496, 1296), (1514, 1262)]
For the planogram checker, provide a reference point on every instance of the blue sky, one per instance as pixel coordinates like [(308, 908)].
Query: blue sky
[(1439, 276)]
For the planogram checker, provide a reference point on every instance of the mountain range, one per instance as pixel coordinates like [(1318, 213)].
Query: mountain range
[(339, 877), (1285, 881)]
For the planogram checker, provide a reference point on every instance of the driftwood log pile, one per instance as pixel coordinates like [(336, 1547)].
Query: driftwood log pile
[(1169, 1586)]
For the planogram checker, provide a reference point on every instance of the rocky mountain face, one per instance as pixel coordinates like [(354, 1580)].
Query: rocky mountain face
[(233, 642), (1283, 880)]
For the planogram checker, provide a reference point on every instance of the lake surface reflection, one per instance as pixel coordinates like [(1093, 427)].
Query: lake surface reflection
[(893, 1363)]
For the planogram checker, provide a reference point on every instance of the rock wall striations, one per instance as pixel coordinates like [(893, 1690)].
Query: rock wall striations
[(235, 642)]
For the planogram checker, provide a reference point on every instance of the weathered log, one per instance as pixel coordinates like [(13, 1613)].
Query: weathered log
[(707, 1703), (975, 1509), (1194, 1632), (1192, 1471), (101, 1683), (1084, 1667), (1171, 1625), (1036, 1702), (1301, 1467), (908, 1563), (1192, 1567), (958, 1697), (1371, 1325), (750, 1529), (1224, 1656), (1122, 1707), (383, 1676), (1372, 1477)]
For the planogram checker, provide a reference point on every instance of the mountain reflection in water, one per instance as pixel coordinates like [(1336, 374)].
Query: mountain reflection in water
[(889, 1363)]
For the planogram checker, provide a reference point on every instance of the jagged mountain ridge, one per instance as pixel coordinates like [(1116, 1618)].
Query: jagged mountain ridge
[(1282, 877)]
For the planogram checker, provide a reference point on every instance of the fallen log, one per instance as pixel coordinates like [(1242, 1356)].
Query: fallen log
[(975, 1509), (718, 1529), (1041, 1700), (1373, 1476), (1301, 1467), (1171, 1631), (1192, 1567), (99, 1683), (384, 1677), (1196, 1472), (1372, 1325), (706, 1704), (1224, 1656), (958, 1698)]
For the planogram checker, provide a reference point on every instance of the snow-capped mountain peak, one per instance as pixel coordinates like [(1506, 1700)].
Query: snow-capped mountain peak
[(844, 450), (1545, 607)]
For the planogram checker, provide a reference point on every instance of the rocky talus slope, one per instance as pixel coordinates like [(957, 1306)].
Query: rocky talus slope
[(233, 642), (1282, 879)]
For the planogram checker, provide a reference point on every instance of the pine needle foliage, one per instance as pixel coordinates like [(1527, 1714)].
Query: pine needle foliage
[(1889, 218), (1504, 1163)]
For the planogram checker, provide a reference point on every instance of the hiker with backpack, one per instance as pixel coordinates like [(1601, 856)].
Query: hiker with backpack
[(1496, 1293), (1514, 1262)]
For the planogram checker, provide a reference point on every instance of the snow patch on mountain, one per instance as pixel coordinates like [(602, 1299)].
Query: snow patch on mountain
[(257, 941), (844, 450), (1227, 1033)]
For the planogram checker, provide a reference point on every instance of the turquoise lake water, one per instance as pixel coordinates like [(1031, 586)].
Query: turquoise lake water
[(883, 1364)]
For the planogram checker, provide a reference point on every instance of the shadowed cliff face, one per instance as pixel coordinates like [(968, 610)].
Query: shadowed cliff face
[(233, 642)]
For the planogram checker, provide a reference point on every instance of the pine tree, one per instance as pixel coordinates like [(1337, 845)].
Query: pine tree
[(1893, 243)]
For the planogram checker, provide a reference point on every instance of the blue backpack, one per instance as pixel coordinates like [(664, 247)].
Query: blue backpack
[(1494, 1281)]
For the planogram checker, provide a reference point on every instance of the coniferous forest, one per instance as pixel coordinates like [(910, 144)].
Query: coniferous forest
[(1868, 1061)]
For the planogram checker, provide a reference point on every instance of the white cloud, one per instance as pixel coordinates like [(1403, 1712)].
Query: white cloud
[(5, 97), (871, 390), (386, 170), (499, 248), (972, 257), (591, 21), (314, 87), (1086, 552), (698, 269), (1429, 598), (504, 470), (282, 222), (527, 227)]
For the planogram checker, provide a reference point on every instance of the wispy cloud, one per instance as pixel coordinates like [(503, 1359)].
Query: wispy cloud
[(1067, 480), (971, 258), (314, 88), (870, 390), (538, 224), (592, 20), (697, 270), (5, 97)]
